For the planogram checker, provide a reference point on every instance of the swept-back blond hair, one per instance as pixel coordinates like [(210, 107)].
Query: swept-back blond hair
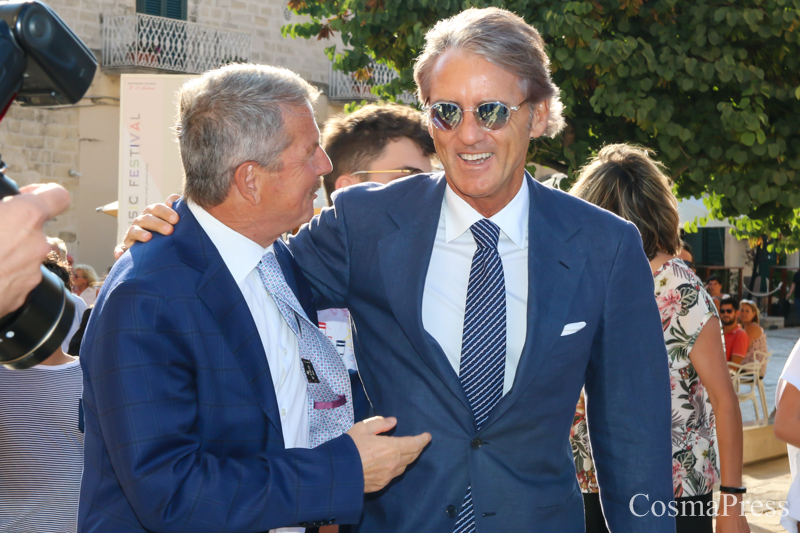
[(625, 180)]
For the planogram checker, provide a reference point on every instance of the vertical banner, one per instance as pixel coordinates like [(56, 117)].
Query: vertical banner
[(150, 166)]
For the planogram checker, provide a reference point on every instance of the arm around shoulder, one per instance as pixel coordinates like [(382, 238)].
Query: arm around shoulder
[(322, 250)]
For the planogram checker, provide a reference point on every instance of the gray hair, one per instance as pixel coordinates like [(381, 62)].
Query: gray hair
[(231, 115), (502, 38)]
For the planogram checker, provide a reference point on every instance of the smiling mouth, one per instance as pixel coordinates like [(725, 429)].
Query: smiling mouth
[(475, 159)]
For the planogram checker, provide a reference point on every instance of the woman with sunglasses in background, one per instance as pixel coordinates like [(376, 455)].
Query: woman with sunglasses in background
[(624, 180), (749, 316)]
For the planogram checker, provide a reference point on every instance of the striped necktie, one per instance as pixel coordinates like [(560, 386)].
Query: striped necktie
[(330, 401), (483, 347)]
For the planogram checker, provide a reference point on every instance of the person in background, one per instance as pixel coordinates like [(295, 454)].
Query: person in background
[(85, 282), (714, 287), (736, 341), (750, 317), (41, 440), (59, 247), (377, 143), (793, 291), (626, 181)]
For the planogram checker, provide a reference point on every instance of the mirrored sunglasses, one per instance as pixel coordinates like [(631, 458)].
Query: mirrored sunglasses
[(491, 116)]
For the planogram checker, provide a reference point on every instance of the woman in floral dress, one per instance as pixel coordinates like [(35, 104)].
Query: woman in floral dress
[(706, 421)]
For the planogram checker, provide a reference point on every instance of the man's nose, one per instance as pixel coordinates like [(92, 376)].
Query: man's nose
[(469, 132), (323, 162)]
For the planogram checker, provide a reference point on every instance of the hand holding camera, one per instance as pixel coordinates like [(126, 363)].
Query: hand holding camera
[(22, 250)]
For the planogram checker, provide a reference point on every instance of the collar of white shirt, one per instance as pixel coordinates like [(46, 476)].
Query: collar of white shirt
[(240, 254), (512, 219)]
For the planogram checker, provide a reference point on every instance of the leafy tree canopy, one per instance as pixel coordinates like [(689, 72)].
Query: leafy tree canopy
[(712, 86)]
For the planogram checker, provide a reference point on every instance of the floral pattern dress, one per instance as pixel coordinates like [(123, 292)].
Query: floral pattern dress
[(685, 307)]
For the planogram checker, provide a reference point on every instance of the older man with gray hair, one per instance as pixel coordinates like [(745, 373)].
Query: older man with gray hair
[(213, 402)]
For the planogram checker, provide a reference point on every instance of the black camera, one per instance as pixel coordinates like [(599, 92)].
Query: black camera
[(42, 63)]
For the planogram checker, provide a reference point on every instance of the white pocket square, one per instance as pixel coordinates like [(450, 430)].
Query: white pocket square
[(575, 327)]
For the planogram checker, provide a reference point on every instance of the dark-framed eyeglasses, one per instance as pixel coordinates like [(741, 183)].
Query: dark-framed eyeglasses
[(490, 116), (726, 311)]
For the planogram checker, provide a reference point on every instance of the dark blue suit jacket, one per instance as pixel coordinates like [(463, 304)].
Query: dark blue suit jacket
[(370, 253), (182, 425)]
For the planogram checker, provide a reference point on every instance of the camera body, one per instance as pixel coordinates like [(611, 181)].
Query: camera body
[(42, 63), (59, 67)]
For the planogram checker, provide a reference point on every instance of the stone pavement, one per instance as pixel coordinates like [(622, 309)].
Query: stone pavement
[(768, 483)]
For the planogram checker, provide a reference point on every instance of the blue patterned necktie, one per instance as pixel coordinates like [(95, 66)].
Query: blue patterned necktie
[(330, 401), (483, 347)]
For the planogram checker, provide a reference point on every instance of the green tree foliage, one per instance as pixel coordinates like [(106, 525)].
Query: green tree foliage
[(712, 86)]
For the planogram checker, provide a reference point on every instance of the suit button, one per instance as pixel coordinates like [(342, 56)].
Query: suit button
[(450, 511), (476, 443)]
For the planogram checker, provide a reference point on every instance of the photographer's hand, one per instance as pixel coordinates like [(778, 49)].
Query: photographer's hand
[(23, 245), (157, 217)]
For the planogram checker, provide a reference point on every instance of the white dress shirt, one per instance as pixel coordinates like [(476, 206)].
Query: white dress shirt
[(241, 256), (444, 299)]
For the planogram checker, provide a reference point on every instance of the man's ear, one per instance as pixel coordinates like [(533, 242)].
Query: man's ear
[(345, 180), (248, 178), (541, 116)]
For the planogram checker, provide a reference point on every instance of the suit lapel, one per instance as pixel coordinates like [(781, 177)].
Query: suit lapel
[(223, 297), (554, 274), (404, 259)]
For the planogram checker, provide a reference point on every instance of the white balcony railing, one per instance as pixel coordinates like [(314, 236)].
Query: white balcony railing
[(347, 87), (142, 41)]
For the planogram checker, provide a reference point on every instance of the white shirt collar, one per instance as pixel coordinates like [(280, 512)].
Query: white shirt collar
[(512, 219), (240, 254)]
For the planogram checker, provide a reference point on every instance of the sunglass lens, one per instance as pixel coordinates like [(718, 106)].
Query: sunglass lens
[(446, 116), (493, 116)]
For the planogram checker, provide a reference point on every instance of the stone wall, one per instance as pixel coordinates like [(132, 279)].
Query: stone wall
[(264, 19)]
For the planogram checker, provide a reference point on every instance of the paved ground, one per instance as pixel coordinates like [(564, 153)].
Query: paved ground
[(766, 482)]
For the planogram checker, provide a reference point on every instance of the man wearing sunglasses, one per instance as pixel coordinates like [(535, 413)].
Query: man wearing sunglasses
[(736, 340), (482, 302)]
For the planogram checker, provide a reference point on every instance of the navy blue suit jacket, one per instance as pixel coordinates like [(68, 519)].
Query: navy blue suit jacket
[(370, 253), (182, 425)]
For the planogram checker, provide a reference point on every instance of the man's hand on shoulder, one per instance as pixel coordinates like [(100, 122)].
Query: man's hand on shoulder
[(159, 218), (384, 458)]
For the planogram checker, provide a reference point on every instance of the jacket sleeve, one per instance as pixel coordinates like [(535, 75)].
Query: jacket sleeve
[(322, 249), (628, 398), (142, 379)]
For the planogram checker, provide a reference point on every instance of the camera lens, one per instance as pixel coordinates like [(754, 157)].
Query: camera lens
[(38, 28)]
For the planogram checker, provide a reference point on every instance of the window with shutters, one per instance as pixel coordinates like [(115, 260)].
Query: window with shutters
[(708, 246), (174, 9)]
